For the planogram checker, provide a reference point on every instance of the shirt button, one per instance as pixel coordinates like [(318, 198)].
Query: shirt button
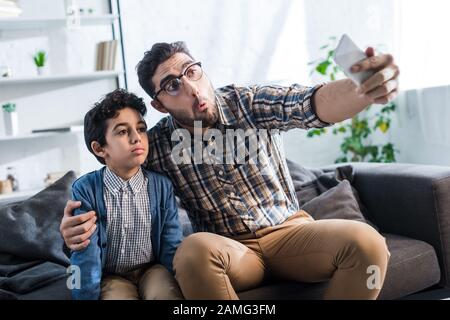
[(232, 194), (122, 251), (125, 225), (220, 172)]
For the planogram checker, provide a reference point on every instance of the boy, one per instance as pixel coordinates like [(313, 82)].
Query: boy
[(130, 254)]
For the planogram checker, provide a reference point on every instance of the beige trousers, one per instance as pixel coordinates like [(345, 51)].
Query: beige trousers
[(153, 283), (351, 255)]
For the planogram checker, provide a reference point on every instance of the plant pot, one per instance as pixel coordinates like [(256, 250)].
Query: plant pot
[(11, 123), (42, 71)]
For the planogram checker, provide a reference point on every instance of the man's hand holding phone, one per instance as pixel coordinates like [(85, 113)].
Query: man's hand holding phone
[(375, 75)]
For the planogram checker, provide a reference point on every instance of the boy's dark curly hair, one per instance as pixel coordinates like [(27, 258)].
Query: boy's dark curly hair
[(107, 108)]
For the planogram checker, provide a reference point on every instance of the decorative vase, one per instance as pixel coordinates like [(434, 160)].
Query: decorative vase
[(42, 71), (5, 186), (11, 123)]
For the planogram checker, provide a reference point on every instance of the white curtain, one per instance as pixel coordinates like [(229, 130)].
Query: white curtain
[(423, 51), (432, 107), (423, 42)]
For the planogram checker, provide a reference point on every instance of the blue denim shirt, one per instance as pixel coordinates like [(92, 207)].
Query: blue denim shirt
[(166, 229)]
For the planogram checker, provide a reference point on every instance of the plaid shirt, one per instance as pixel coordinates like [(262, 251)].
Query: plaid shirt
[(234, 199), (128, 227)]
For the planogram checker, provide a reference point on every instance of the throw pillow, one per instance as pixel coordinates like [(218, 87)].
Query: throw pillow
[(30, 229), (336, 203), (311, 183)]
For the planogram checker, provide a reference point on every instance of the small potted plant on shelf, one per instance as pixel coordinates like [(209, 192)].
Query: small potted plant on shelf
[(10, 118), (40, 60)]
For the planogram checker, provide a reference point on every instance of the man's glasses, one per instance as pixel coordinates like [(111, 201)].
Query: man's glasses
[(193, 72)]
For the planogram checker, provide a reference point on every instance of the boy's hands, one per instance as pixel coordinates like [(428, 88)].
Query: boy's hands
[(77, 230)]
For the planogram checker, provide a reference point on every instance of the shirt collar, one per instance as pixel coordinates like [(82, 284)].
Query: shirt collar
[(114, 183)]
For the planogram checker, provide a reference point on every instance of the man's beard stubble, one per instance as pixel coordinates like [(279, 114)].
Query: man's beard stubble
[(208, 117)]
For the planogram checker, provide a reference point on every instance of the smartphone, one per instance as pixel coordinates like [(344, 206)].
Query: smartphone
[(346, 54)]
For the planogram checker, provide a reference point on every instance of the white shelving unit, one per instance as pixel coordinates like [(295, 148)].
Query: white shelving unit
[(88, 76), (26, 24), (31, 136), (46, 134), (49, 83)]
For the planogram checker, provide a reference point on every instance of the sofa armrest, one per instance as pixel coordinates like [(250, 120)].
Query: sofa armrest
[(410, 200)]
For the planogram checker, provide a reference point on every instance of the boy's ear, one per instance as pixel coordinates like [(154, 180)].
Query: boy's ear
[(98, 149), (158, 106)]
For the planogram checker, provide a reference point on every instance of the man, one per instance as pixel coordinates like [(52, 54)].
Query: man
[(248, 222)]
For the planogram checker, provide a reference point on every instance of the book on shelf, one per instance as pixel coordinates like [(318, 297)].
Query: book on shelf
[(69, 128), (106, 55), (9, 9)]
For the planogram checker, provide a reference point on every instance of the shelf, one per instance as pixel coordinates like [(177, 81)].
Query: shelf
[(34, 135), (24, 23), (88, 76), (17, 196)]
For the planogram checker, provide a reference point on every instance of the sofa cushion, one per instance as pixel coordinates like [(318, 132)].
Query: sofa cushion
[(285, 290), (30, 229), (310, 183), (55, 290), (185, 222), (413, 267), (336, 203), (31, 246)]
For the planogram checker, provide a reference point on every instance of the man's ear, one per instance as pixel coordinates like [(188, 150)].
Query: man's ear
[(98, 149), (158, 106)]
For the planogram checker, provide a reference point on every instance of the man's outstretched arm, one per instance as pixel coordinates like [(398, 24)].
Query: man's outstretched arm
[(340, 100)]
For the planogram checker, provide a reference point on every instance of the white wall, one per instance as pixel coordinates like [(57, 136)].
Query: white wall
[(257, 41), (238, 41), (262, 41), (422, 130)]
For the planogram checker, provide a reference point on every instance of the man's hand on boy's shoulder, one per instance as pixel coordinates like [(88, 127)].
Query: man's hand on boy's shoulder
[(76, 230)]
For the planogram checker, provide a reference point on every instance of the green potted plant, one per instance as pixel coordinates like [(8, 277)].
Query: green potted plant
[(40, 60), (10, 118), (357, 144)]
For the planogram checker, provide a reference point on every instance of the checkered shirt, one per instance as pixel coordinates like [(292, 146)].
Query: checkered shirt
[(129, 244)]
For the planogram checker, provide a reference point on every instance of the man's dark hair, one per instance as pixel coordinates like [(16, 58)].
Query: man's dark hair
[(108, 108), (159, 53)]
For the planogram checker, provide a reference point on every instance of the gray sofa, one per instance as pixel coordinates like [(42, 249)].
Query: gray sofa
[(410, 204)]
